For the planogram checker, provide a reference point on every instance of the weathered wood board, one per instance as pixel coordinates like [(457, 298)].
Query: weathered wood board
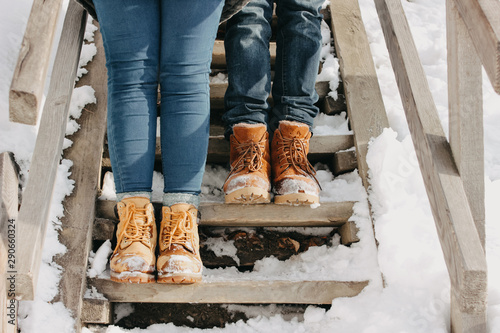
[(26, 90), (460, 241), (36, 198), (288, 292), (365, 106), (9, 186), (483, 24), (465, 100), (79, 207), (330, 214)]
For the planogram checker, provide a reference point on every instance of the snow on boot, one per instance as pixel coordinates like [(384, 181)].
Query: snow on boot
[(294, 180), (133, 259), (179, 258), (249, 179)]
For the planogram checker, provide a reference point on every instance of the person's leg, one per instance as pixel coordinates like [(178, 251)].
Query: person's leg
[(249, 65), (297, 58), (247, 109), (131, 35), (188, 30), (131, 31)]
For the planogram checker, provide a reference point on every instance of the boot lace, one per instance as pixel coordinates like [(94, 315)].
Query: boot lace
[(294, 155), (250, 156), (137, 228), (178, 229)]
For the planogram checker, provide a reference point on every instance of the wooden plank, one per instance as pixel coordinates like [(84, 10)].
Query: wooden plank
[(330, 214), (321, 146), (333, 107), (9, 185), (349, 233), (79, 207), (219, 54), (27, 87), (459, 239), (97, 311), (251, 291), (465, 100), (344, 161), (482, 18), (36, 200), (218, 147), (365, 106)]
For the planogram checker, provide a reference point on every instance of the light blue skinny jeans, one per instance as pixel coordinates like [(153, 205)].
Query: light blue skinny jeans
[(298, 42), (151, 42)]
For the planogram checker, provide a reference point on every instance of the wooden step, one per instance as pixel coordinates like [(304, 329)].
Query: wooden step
[(240, 291), (250, 243), (217, 91), (321, 147), (330, 214)]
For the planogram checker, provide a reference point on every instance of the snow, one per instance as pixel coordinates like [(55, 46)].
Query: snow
[(409, 256), (99, 260)]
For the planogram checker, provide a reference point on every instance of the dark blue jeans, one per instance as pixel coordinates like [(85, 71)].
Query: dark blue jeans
[(249, 67), (151, 42)]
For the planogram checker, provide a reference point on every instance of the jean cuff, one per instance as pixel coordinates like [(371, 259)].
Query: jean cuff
[(124, 195), (170, 199)]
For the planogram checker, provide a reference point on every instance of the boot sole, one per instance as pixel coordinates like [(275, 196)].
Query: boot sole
[(296, 199), (132, 277), (180, 278), (248, 195)]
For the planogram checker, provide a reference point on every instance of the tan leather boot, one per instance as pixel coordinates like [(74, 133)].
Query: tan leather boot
[(249, 179), (294, 180), (133, 259), (179, 258)]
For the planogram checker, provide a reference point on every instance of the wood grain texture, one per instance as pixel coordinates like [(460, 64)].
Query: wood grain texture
[(365, 106), (465, 103), (344, 161), (9, 185), (218, 147), (330, 214), (97, 311), (79, 207), (459, 239), (27, 87), (349, 233), (482, 18), (36, 198), (243, 291)]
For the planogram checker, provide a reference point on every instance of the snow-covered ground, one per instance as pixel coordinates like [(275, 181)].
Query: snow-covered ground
[(416, 297)]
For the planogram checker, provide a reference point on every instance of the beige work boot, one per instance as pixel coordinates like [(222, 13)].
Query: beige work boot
[(179, 258), (294, 180), (133, 259), (249, 179)]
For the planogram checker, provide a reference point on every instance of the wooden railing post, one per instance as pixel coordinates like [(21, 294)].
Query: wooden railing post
[(460, 241), (37, 196), (9, 185), (465, 107), (26, 90)]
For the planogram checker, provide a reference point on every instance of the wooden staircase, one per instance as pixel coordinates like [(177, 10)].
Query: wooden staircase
[(256, 225), (257, 231)]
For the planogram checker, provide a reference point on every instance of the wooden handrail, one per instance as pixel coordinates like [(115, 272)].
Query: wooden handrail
[(26, 90), (482, 18), (460, 241), (32, 223)]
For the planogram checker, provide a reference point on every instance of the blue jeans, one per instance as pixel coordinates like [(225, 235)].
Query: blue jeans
[(151, 42), (298, 43)]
